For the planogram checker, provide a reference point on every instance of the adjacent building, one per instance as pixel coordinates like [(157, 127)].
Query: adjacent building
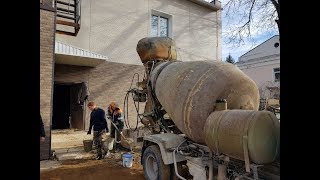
[(262, 64)]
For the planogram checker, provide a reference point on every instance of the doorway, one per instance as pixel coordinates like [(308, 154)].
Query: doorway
[(68, 110)]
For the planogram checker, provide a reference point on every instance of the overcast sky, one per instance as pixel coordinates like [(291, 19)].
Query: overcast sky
[(259, 36)]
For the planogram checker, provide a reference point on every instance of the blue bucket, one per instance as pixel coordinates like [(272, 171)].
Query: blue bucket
[(127, 159)]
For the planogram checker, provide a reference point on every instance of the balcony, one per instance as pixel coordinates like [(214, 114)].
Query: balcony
[(71, 55), (68, 17)]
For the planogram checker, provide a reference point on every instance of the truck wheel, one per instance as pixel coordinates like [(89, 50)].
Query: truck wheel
[(153, 166)]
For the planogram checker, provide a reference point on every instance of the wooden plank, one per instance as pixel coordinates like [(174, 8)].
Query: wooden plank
[(65, 3), (68, 23), (65, 10), (65, 33), (67, 17)]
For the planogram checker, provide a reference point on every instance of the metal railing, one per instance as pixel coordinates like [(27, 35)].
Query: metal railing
[(68, 14)]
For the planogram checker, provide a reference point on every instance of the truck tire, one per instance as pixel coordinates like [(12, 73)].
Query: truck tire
[(153, 166)]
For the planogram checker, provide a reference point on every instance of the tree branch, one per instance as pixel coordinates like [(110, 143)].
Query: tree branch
[(249, 20), (277, 6), (256, 14)]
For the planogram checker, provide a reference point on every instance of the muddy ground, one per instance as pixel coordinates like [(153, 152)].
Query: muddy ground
[(88, 169)]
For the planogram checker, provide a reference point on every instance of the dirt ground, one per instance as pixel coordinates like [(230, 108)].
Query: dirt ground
[(68, 138), (87, 169)]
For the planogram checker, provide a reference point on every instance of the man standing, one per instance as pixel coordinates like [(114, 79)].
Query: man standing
[(115, 115), (100, 126)]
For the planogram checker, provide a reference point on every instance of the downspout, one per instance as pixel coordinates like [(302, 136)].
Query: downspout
[(90, 26), (53, 67), (217, 35)]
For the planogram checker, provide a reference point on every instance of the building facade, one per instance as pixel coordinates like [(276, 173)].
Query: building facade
[(95, 52), (113, 28)]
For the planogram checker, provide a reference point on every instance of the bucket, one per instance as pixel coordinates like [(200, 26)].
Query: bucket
[(127, 159), (87, 145), (108, 144)]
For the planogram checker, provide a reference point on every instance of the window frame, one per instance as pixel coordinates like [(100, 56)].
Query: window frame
[(275, 71), (163, 15)]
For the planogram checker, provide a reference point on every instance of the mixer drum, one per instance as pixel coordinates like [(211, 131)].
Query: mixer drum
[(188, 92)]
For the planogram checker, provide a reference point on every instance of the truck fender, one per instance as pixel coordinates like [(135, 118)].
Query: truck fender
[(166, 143)]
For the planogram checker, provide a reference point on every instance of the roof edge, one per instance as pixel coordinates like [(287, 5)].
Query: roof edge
[(258, 45), (213, 5)]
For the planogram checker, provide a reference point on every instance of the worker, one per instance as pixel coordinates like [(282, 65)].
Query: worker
[(116, 118), (100, 127), (42, 132)]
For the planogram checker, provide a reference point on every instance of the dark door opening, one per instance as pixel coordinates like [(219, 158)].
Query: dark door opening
[(68, 110), (61, 107), (76, 107)]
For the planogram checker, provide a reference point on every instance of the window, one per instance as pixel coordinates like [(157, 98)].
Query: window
[(276, 74), (160, 24)]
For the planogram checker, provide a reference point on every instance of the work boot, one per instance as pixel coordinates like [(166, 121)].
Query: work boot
[(117, 148), (105, 154), (98, 157)]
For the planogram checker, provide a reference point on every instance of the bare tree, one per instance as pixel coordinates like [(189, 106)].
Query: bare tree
[(249, 15), (270, 89)]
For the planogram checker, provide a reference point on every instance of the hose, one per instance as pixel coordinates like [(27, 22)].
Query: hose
[(175, 161), (126, 105)]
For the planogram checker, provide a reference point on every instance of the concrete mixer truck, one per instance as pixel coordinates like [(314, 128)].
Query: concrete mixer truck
[(204, 119)]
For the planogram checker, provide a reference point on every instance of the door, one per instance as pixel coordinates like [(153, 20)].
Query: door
[(76, 107), (61, 107)]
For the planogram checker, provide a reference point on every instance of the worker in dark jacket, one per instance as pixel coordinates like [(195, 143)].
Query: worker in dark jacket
[(100, 126), (42, 132), (115, 115)]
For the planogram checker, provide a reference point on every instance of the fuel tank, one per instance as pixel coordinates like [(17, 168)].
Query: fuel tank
[(232, 132)]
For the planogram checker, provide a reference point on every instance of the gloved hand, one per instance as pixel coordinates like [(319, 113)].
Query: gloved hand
[(89, 132), (121, 119)]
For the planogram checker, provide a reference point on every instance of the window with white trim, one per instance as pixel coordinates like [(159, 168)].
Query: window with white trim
[(276, 74), (160, 25)]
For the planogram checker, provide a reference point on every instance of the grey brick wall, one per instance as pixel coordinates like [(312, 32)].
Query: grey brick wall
[(71, 74), (107, 82), (46, 75)]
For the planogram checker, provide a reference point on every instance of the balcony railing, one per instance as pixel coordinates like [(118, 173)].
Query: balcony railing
[(68, 16)]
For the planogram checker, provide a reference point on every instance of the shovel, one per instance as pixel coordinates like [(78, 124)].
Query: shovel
[(118, 130), (127, 143)]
